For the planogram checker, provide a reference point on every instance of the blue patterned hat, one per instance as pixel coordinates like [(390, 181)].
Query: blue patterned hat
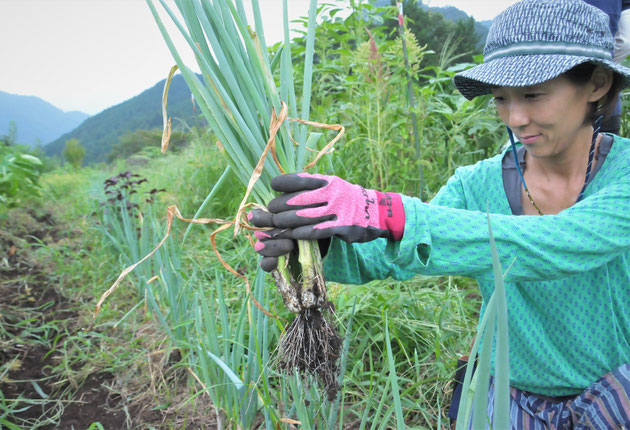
[(534, 41)]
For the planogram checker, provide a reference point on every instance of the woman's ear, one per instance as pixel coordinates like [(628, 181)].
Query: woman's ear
[(601, 81)]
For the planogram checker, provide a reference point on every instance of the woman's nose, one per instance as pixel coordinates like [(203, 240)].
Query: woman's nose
[(518, 115)]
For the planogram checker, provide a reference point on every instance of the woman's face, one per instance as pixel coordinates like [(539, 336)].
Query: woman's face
[(547, 118)]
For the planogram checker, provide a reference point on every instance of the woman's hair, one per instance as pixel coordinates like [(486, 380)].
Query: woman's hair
[(580, 75)]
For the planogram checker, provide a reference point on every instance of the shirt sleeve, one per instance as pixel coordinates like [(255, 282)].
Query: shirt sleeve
[(444, 241), (441, 240), (359, 263), (622, 39), (452, 194)]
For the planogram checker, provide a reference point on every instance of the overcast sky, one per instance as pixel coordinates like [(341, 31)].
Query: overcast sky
[(89, 55)]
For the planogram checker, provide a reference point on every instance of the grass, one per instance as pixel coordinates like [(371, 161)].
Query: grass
[(194, 320)]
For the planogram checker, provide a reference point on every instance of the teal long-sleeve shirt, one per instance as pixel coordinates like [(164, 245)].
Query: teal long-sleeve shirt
[(568, 291)]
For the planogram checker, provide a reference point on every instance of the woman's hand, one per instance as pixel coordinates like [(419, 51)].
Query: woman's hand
[(316, 207), (271, 243), (320, 206)]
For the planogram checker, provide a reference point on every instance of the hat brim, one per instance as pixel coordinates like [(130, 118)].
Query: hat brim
[(522, 71)]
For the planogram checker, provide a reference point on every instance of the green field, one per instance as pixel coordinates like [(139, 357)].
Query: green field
[(180, 344)]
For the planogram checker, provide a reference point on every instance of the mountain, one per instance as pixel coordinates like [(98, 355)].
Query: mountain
[(453, 14), (98, 133), (36, 121)]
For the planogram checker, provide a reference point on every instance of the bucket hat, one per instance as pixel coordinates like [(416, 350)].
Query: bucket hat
[(534, 41)]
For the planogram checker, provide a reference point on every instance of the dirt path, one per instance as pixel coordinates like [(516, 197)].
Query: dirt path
[(48, 375), (35, 316)]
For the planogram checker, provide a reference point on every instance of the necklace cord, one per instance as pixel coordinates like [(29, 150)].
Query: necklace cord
[(597, 125), (518, 168), (591, 155)]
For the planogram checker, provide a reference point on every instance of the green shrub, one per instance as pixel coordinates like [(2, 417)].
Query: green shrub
[(360, 81), (147, 142), (74, 153), (19, 175)]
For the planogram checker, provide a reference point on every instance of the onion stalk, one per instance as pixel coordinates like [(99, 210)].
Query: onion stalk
[(239, 98)]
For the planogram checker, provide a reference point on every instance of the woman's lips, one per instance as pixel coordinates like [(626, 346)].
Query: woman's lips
[(528, 140)]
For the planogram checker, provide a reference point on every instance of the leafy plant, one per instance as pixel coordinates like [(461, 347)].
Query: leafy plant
[(453, 131), (437, 32), (121, 187), (19, 175), (360, 81)]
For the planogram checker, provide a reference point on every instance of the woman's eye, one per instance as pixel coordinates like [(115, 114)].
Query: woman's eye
[(498, 99), (532, 95)]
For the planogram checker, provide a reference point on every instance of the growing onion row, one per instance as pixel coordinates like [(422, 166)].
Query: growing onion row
[(247, 112)]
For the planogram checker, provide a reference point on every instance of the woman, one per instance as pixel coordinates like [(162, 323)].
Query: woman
[(549, 67)]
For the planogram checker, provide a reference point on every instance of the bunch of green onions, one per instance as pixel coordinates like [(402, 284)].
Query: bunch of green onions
[(238, 97)]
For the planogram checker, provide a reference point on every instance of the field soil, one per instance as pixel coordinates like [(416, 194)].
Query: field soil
[(35, 319), (34, 316)]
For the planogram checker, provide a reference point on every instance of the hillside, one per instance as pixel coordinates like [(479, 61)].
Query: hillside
[(36, 120), (451, 13), (98, 133)]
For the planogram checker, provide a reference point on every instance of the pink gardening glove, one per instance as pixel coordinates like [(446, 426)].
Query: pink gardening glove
[(271, 243), (320, 206)]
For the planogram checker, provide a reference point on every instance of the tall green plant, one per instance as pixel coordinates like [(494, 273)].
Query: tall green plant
[(19, 175), (493, 333), (74, 153), (379, 151), (370, 97)]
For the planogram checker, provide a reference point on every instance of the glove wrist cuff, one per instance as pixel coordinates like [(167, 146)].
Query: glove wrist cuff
[(391, 213)]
